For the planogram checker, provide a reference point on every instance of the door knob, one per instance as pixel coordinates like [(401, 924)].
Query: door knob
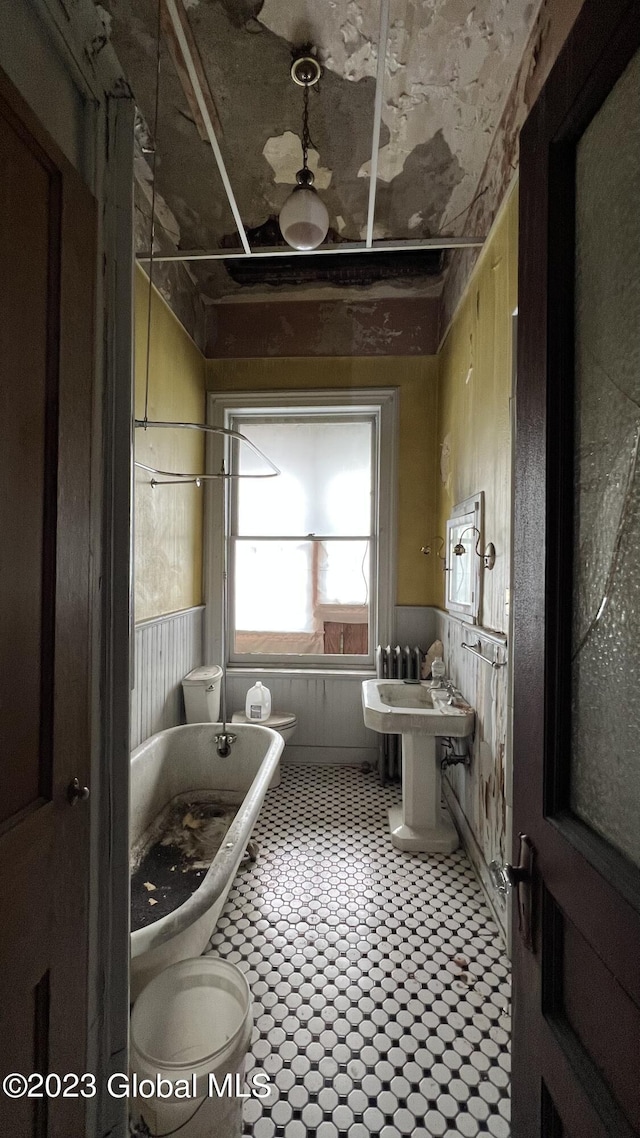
[(77, 793), (519, 877), (505, 876)]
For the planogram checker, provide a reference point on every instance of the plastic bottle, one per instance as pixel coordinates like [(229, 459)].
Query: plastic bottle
[(438, 669), (258, 703)]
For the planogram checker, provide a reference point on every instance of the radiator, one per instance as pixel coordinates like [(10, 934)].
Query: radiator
[(395, 664)]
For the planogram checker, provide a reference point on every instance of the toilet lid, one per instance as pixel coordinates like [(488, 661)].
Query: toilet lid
[(288, 719), (207, 673)]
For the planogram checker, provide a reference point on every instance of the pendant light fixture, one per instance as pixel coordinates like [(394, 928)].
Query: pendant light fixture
[(304, 219)]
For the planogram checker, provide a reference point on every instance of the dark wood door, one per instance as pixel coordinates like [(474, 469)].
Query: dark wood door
[(576, 1028), (47, 297)]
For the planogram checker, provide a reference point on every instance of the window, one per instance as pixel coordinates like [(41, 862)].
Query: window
[(308, 559)]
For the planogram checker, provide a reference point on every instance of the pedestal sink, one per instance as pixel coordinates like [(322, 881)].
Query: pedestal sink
[(419, 714)]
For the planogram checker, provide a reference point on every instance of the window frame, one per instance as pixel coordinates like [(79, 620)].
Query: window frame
[(376, 404)]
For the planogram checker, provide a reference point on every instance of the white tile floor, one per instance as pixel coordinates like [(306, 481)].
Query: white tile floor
[(380, 985)]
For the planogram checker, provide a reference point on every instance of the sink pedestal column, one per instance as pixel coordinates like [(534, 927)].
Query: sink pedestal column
[(421, 823)]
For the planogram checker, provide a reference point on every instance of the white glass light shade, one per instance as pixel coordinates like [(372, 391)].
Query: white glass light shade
[(304, 219)]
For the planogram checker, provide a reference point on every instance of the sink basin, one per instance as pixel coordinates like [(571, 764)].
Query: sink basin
[(395, 707), (418, 714), (401, 694)]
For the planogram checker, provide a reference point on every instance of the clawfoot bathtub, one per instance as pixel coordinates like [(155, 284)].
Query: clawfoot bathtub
[(172, 763)]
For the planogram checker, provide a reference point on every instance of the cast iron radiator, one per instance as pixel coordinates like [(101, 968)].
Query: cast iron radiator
[(395, 664)]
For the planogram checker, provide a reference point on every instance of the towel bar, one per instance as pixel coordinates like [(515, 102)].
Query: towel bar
[(475, 649)]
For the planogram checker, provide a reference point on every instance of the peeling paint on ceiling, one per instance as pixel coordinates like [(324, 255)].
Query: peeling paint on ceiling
[(283, 155), (450, 65)]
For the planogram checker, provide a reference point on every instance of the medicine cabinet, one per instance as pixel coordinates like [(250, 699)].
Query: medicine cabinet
[(464, 558)]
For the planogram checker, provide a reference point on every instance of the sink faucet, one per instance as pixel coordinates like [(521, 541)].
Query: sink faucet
[(450, 688)]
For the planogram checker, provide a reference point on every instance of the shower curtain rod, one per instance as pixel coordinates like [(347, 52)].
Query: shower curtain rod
[(146, 423), (177, 476)]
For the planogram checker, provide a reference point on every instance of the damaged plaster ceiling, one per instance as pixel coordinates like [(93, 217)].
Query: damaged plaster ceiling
[(449, 66)]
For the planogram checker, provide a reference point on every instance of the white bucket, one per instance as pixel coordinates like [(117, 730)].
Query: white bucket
[(191, 1026)]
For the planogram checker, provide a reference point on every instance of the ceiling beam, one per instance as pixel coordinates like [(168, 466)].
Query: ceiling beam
[(172, 7), (383, 36), (433, 243), (180, 65)]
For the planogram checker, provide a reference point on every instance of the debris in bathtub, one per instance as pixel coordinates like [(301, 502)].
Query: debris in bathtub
[(172, 857)]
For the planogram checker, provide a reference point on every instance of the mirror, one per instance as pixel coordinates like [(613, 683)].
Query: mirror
[(463, 576)]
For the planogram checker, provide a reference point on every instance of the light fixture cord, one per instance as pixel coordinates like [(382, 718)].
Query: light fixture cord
[(306, 138), (153, 213), (307, 141)]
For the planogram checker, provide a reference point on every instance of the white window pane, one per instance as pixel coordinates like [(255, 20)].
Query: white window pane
[(325, 484), (343, 573), (273, 586), (301, 598)]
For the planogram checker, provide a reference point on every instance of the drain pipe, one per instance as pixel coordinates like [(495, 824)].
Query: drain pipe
[(456, 751), (225, 740)]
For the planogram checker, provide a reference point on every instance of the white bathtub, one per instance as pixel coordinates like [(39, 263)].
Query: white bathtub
[(184, 759)]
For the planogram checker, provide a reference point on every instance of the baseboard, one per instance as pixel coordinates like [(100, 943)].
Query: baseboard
[(474, 854), (330, 756)]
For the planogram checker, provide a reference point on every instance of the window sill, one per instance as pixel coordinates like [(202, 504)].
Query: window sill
[(312, 673)]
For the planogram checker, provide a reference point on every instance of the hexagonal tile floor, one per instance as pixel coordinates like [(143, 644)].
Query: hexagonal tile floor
[(380, 984)]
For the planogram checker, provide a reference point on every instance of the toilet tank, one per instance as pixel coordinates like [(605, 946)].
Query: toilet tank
[(201, 689)]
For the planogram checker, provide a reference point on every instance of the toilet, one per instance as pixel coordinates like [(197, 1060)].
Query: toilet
[(201, 689), (284, 724)]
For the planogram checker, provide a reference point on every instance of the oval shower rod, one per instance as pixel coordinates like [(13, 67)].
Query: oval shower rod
[(145, 423), (179, 476)]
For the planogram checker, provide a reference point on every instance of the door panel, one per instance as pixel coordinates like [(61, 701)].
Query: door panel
[(576, 1036), (47, 268), (606, 573), (31, 208), (571, 971)]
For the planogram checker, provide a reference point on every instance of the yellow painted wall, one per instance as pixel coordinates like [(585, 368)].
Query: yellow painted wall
[(474, 426), (474, 409), (168, 519), (417, 381)]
